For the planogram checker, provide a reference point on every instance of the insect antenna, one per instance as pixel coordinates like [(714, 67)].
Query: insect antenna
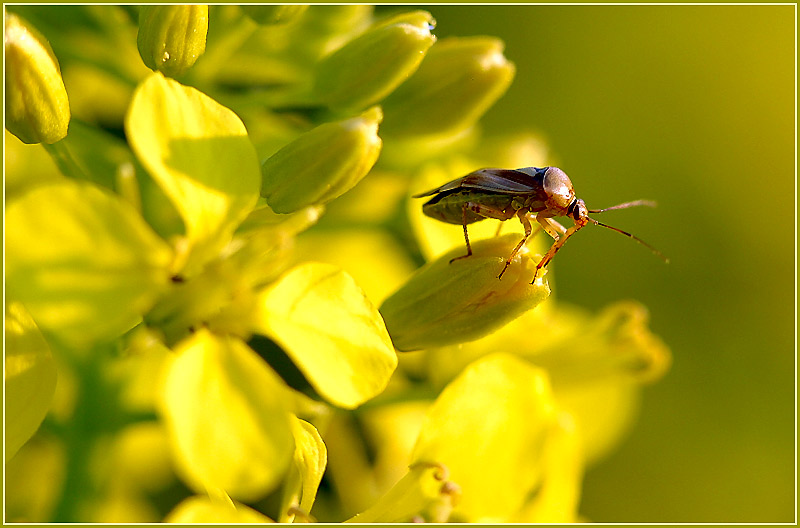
[(648, 203), (637, 239)]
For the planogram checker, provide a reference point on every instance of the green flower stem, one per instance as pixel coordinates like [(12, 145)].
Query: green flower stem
[(96, 417), (66, 162), (276, 97)]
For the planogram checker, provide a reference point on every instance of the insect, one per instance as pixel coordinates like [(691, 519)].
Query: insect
[(527, 193)]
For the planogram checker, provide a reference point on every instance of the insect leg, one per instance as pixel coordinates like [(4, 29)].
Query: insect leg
[(551, 227), (483, 210), (559, 227), (464, 208), (555, 247), (523, 217)]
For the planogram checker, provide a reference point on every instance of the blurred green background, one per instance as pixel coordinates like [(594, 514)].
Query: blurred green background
[(692, 106)]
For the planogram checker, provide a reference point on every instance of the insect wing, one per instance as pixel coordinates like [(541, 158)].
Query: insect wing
[(500, 181), (449, 186), (503, 181)]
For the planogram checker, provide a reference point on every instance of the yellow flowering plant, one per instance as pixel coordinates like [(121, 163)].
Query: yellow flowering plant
[(212, 308)]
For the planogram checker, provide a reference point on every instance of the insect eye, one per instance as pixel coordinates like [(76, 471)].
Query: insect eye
[(577, 210), (573, 210)]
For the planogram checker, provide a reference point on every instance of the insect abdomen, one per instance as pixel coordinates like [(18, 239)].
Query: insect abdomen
[(449, 207)]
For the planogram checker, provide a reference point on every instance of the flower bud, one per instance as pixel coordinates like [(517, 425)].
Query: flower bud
[(274, 14), (457, 82), (446, 303), (172, 37), (322, 164), (371, 66), (37, 108)]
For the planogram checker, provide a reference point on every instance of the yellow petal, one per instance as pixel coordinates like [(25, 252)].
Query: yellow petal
[(34, 480), (392, 431), (199, 153), (334, 335), (487, 428), (310, 460), (556, 500), (207, 510), (30, 378), (82, 261), (227, 415)]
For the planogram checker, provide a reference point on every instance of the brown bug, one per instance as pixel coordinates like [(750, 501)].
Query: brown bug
[(505, 193)]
